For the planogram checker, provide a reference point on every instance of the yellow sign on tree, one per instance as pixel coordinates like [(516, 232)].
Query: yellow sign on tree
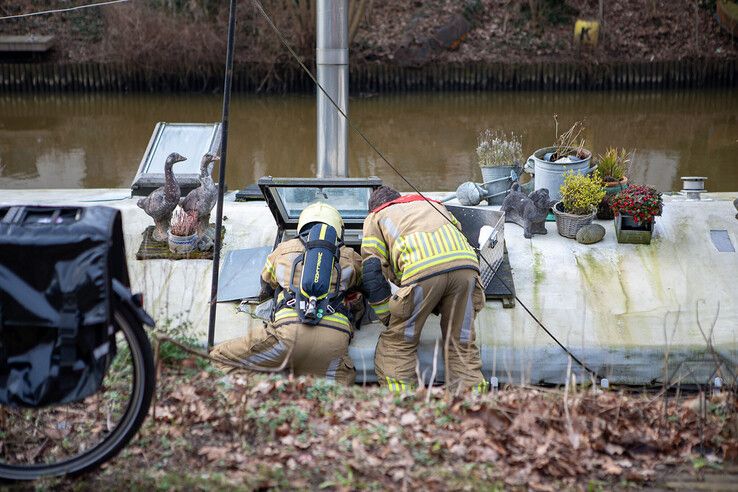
[(586, 32)]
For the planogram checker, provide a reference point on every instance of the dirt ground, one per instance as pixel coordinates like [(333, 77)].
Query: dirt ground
[(208, 431), (190, 34)]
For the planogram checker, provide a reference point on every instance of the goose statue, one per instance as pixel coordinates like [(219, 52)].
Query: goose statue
[(162, 201), (203, 198)]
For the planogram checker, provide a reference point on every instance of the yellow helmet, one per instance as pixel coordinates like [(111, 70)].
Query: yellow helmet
[(321, 212)]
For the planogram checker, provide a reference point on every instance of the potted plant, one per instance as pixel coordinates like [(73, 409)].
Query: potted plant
[(580, 195), (182, 235), (549, 164), (499, 154), (635, 208), (612, 166)]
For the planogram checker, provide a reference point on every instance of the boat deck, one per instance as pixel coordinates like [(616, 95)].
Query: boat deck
[(637, 314)]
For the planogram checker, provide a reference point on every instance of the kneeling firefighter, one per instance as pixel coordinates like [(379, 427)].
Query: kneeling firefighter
[(424, 252), (315, 282)]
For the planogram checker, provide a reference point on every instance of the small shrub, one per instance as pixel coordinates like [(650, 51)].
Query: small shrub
[(613, 164), (581, 192), (643, 203), (184, 223), (499, 149)]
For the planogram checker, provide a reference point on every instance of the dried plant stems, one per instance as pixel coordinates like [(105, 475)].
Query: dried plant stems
[(570, 142), (184, 223)]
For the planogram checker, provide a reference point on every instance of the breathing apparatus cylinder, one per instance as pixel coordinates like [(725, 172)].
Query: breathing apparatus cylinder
[(320, 228), (321, 247)]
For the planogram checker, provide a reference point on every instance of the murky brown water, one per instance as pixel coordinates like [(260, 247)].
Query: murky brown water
[(87, 141)]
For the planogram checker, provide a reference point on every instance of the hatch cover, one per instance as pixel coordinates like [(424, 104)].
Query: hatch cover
[(721, 240)]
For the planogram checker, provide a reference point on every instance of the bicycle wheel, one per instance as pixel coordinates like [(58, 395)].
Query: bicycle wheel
[(77, 437)]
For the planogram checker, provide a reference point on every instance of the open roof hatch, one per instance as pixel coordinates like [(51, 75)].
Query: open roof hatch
[(287, 197), (192, 140)]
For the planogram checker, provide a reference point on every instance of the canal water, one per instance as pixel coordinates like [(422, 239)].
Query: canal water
[(90, 141)]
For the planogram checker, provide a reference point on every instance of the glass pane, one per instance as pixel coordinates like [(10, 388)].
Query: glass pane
[(353, 203), (192, 141)]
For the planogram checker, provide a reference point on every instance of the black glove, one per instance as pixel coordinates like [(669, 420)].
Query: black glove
[(376, 288)]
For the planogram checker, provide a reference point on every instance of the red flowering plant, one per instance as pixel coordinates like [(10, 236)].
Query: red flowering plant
[(642, 203)]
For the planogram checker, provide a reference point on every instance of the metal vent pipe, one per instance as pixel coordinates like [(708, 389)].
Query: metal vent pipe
[(332, 62)]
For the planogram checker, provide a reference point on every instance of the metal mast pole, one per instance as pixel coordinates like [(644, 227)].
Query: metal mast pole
[(221, 171), (331, 53)]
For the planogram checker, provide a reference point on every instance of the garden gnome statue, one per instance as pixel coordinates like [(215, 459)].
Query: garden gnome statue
[(203, 198), (529, 211), (162, 201)]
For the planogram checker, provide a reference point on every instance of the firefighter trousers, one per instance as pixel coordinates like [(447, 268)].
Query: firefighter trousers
[(295, 347), (458, 297)]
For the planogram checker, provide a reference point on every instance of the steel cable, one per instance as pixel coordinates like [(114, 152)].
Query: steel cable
[(68, 9), (284, 42)]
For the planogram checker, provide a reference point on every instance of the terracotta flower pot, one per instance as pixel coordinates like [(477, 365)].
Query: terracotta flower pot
[(615, 187), (612, 188)]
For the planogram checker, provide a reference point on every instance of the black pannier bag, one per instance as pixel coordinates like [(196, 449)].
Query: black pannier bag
[(57, 337)]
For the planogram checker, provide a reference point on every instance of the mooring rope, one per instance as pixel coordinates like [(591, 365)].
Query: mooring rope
[(284, 42), (78, 7)]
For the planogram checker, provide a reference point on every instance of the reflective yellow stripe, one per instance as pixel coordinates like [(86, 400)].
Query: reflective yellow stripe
[(482, 387), (412, 250), (397, 386), (430, 243), (424, 244), (444, 238), (381, 308), (323, 229), (371, 242), (270, 268), (411, 270), (285, 313), (452, 231), (337, 318)]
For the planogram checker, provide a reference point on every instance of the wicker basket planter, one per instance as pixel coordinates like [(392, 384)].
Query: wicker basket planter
[(568, 224)]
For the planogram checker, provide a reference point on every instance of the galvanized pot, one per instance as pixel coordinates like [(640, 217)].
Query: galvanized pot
[(550, 175)]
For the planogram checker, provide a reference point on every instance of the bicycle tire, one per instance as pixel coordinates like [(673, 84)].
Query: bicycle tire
[(144, 383)]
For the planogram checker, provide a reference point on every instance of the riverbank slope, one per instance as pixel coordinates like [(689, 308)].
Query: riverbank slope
[(477, 44)]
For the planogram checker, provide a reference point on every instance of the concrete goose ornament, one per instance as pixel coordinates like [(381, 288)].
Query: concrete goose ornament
[(203, 198), (162, 201)]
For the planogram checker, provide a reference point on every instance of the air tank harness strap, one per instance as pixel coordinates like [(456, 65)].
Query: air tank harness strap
[(286, 298), (322, 243)]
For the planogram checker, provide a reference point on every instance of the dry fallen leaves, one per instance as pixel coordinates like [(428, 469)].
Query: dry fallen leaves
[(309, 432)]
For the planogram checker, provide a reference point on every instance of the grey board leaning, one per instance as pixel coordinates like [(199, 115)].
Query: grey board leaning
[(240, 274)]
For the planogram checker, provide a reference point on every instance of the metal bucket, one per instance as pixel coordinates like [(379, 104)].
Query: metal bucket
[(497, 181), (550, 175)]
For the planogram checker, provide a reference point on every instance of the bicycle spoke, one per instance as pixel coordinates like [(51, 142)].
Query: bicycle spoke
[(60, 433)]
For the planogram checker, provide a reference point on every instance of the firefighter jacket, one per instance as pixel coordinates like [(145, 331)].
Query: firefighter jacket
[(276, 274), (413, 242)]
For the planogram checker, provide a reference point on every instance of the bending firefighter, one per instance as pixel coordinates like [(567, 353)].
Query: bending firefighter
[(423, 251), (314, 280)]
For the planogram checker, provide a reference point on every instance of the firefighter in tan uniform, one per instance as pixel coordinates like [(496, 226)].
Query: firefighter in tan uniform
[(312, 333), (423, 252)]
